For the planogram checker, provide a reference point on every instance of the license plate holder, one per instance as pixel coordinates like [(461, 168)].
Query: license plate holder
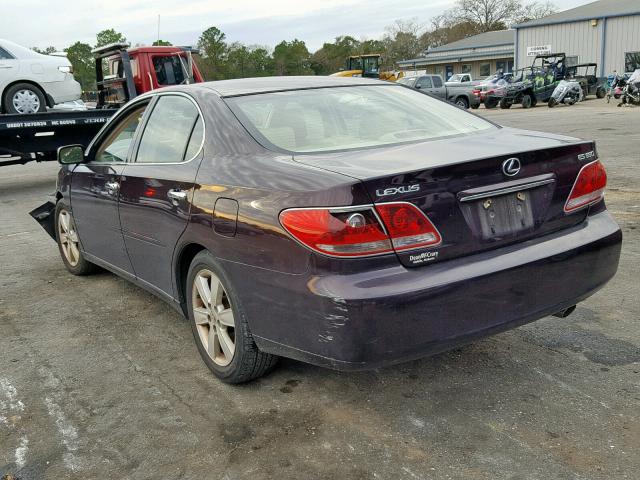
[(504, 215)]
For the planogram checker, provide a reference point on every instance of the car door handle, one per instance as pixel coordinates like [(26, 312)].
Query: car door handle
[(177, 195), (112, 187)]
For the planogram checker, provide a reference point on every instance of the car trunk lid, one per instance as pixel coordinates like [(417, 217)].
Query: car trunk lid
[(471, 188)]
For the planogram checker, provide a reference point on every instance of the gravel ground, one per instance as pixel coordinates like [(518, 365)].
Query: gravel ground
[(99, 379)]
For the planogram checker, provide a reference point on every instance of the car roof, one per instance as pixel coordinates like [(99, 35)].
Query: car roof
[(251, 86)]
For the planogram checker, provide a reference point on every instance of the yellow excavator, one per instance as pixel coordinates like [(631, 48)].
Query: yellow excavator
[(367, 66)]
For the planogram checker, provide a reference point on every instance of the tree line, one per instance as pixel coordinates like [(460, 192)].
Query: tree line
[(220, 59)]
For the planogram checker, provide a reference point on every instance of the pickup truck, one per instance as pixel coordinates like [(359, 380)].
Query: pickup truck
[(460, 78), (459, 93), (129, 72)]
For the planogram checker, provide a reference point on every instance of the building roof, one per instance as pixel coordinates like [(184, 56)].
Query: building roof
[(497, 38), (475, 56), (487, 39), (599, 9)]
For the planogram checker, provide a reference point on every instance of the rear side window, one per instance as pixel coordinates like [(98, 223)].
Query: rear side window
[(437, 81), (4, 55), (173, 133)]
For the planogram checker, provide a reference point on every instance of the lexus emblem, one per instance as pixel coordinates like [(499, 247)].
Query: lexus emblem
[(511, 166)]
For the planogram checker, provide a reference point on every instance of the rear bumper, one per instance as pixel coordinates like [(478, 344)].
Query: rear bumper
[(64, 91), (381, 317)]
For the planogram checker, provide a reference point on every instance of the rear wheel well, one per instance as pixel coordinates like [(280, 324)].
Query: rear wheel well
[(185, 258), (462, 97), (46, 96)]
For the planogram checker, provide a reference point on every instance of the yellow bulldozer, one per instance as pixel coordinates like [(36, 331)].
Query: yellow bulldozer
[(367, 66)]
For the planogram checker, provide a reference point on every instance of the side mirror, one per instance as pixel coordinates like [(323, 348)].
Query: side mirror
[(418, 87), (70, 154)]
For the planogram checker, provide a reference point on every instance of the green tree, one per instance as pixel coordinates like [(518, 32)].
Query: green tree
[(84, 67), (214, 51), (46, 51), (332, 56), (161, 43), (402, 41), (108, 36), (292, 58), (261, 62), (491, 15), (247, 61)]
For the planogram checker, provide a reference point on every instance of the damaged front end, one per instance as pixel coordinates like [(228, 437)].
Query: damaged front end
[(45, 216)]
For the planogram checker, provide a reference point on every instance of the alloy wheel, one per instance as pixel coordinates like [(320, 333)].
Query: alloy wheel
[(213, 317), (26, 101), (68, 238)]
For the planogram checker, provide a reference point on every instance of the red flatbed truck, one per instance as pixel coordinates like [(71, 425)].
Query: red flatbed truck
[(122, 73)]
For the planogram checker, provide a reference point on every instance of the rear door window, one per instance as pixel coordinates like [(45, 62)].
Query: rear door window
[(173, 133), (437, 81)]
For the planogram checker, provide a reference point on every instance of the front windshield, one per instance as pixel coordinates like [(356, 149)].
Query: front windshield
[(338, 118)]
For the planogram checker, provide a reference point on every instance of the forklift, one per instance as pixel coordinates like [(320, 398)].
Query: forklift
[(368, 66)]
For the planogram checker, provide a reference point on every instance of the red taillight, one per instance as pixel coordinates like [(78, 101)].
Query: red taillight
[(588, 187), (408, 226), (357, 232), (337, 232)]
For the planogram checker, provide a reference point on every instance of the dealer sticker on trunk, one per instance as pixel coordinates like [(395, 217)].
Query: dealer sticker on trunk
[(423, 257)]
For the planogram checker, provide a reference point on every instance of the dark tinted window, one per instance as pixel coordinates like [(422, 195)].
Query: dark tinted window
[(632, 61), (4, 55), (167, 134), (169, 70), (116, 145), (437, 81)]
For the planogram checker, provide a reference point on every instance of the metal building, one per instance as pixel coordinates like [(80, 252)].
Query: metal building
[(606, 32), (480, 55)]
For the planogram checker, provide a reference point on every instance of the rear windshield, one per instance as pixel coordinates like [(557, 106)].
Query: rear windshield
[(340, 118)]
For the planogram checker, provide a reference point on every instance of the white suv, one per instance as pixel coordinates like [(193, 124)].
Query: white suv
[(30, 81)]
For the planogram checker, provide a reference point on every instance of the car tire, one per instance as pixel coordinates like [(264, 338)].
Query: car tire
[(600, 92), (490, 104), (475, 106), (462, 102), (526, 101), (69, 243), (27, 93), (552, 102), (219, 324), (504, 104)]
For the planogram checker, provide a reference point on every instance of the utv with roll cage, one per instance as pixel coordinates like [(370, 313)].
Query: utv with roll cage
[(536, 83)]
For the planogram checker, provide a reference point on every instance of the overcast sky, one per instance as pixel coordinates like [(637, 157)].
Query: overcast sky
[(60, 23)]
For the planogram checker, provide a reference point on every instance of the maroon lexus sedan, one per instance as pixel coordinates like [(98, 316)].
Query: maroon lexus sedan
[(344, 222)]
